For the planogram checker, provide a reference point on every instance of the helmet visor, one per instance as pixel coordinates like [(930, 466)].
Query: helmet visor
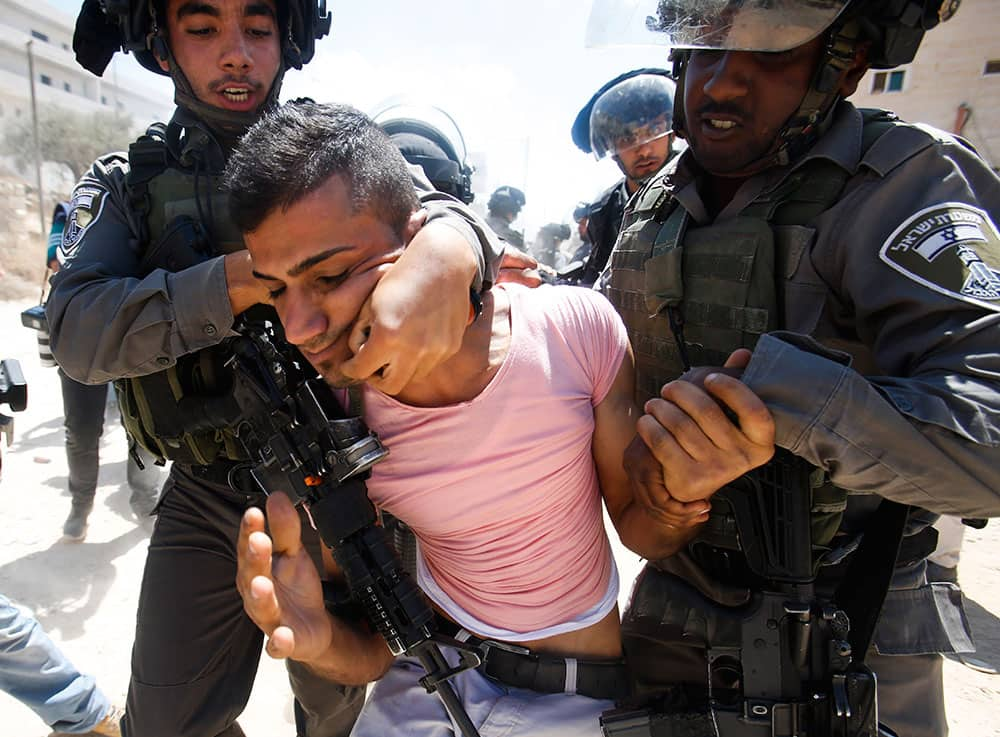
[(733, 25), (745, 25), (633, 112), (629, 137)]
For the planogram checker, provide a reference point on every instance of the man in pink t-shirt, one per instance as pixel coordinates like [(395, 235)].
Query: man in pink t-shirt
[(499, 458)]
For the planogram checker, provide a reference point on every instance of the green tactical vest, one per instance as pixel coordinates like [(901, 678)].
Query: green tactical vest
[(700, 292), (182, 413)]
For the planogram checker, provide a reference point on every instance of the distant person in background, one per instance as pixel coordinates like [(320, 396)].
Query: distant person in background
[(504, 206), (581, 216), (628, 119), (546, 248), (83, 410)]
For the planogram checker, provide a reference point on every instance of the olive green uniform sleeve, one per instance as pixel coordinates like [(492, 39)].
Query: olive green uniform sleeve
[(915, 415), (108, 322)]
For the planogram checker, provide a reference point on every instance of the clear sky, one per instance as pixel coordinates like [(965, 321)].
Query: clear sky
[(512, 73)]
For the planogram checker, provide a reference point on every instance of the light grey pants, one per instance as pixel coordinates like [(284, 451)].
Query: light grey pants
[(398, 704)]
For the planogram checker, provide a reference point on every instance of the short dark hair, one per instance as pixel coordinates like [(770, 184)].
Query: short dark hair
[(294, 150)]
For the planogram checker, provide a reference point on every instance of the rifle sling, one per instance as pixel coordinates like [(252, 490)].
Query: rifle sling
[(862, 591)]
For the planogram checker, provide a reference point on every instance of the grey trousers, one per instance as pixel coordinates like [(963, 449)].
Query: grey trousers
[(911, 693), (83, 410)]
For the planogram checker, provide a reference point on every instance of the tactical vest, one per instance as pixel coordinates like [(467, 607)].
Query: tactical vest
[(690, 295), (183, 413)]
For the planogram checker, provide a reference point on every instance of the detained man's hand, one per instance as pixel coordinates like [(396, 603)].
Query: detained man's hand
[(418, 313), (279, 584), (698, 447)]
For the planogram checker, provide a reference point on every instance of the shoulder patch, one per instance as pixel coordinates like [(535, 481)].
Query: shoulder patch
[(84, 211), (952, 248)]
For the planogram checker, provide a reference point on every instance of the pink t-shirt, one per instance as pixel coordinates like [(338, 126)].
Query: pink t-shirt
[(502, 491)]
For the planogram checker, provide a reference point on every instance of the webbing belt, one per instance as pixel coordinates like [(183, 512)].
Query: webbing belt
[(519, 667)]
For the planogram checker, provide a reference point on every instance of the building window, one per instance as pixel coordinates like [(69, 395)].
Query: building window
[(104, 99), (66, 86), (46, 79), (992, 67), (888, 81), (39, 35)]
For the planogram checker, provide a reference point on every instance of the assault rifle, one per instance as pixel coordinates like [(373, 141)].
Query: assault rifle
[(301, 442), (785, 664)]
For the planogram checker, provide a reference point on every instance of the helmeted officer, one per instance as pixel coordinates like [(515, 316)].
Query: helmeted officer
[(429, 137), (845, 266), (627, 119), (502, 210), (155, 274)]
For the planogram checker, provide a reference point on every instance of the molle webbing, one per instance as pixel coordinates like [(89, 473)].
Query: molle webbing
[(183, 413)]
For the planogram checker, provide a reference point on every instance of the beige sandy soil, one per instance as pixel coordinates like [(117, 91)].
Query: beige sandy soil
[(85, 594)]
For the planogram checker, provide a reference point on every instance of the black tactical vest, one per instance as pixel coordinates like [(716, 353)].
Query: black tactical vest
[(690, 295), (183, 413)]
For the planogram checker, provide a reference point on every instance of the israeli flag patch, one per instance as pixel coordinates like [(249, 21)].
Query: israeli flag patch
[(952, 248)]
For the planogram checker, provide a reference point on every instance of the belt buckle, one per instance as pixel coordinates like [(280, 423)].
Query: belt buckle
[(487, 645)]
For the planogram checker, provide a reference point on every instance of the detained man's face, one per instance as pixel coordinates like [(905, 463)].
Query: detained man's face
[(229, 50), (320, 261)]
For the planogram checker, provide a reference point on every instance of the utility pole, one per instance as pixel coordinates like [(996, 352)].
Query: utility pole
[(38, 148)]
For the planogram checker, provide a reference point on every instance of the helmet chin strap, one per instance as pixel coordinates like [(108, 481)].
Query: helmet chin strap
[(227, 125), (808, 122)]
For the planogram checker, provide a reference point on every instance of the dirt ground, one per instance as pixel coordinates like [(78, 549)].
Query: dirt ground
[(85, 594)]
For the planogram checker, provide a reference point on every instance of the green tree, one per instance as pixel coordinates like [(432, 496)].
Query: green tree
[(67, 137)]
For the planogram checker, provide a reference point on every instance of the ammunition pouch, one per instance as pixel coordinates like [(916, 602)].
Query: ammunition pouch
[(185, 413)]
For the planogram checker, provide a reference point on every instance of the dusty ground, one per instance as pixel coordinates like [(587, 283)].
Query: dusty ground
[(85, 594)]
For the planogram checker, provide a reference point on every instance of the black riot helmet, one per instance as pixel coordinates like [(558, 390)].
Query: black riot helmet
[(138, 26), (630, 110), (430, 138), (506, 201)]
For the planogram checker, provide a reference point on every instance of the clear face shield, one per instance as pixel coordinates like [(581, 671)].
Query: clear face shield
[(633, 113), (427, 115), (733, 25)]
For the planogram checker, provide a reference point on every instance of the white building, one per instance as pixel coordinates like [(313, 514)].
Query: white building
[(59, 80), (954, 81)]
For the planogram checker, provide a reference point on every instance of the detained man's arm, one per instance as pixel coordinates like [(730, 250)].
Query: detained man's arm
[(652, 532), (698, 447), (283, 595)]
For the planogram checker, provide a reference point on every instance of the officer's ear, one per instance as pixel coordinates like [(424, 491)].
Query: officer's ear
[(850, 79), (415, 223), (160, 52)]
